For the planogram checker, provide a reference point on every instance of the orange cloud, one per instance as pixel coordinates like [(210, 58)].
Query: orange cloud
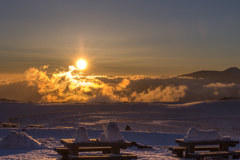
[(160, 94), (72, 86)]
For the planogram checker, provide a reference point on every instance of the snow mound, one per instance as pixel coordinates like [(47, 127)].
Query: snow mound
[(199, 135), (82, 135), (113, 134), (19, 140), (102, 137)]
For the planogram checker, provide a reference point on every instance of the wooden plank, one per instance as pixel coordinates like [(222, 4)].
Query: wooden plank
[(94, 143), (64, 152), (214, 154), (84, 149), (179, 150), (63, 127), (104, 157), (231, 142), (9, 124), (35, 125), (210, 148)]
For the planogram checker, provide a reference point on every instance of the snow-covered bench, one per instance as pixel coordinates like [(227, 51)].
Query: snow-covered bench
[(103, 157), (179, 150), (223, 154), (64, 152)]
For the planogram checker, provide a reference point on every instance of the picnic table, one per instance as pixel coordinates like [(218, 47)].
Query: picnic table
[(74, 148), (223, 145)]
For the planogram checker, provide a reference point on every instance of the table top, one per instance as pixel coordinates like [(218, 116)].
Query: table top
[(94, 142), (229, 142)]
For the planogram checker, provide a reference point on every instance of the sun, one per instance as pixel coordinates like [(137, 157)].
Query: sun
[(81, 64)]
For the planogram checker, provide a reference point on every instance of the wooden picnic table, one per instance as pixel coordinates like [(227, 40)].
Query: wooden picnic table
[(115, 146), (190, 146)]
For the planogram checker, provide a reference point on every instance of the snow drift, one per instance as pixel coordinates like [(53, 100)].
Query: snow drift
[(102, 137), (199, 135), (19, 140), (112, 133), (82, 135)]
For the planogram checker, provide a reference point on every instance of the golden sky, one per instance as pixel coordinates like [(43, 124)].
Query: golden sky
[(157, 38)]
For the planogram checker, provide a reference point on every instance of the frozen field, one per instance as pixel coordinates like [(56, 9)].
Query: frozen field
[(154, 124)]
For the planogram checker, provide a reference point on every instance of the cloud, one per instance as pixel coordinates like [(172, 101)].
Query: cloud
[(45, 66), (73, 86), (3, 81), (161, 94)]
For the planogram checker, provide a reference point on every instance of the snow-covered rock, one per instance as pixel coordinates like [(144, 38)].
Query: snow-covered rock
[(199, 135), (113, 134), (19, 140), (82, 135)]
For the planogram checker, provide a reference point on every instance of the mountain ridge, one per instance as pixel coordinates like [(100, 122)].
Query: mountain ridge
[(230, 75)]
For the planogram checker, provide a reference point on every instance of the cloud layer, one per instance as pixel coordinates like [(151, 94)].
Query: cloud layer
[(3, 81), (73, 86)]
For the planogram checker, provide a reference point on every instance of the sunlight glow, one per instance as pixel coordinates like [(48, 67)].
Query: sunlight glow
[(81, 64)]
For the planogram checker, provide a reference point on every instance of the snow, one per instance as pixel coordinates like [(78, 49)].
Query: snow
[(112, 133), (82, 135), (102, 137), (199, 135), (19, 140), (154, 124)]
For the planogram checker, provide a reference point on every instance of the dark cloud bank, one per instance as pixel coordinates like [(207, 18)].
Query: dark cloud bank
[(72, 86)]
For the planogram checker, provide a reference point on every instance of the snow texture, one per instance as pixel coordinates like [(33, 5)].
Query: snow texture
[(82, 135), (113, 134), (19, 140), (154, 124), (102, 137), (200, 135)]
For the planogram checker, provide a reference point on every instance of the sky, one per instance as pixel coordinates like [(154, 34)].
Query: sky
[(121, 37)]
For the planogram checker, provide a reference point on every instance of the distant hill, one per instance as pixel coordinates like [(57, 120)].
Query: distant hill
[(19, 91), (231, 75), (7, 100)]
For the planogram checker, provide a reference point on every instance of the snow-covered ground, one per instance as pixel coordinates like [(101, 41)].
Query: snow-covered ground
[(154, 124)]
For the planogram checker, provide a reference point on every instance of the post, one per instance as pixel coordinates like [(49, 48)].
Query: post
[(73, 150), (189, 149), (224, 147), (115, 150), (180, 154), (186, 152)]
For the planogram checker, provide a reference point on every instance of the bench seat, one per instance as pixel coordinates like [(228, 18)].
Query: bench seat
[(179, 150), (201, 156), (104, 157), (35, 125), (9, 124), (65, 151)]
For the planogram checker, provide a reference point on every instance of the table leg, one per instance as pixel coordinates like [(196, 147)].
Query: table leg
[(223, 147), (189, 149), (180, 154), (116, 150), (73, 150), (186, 152)]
